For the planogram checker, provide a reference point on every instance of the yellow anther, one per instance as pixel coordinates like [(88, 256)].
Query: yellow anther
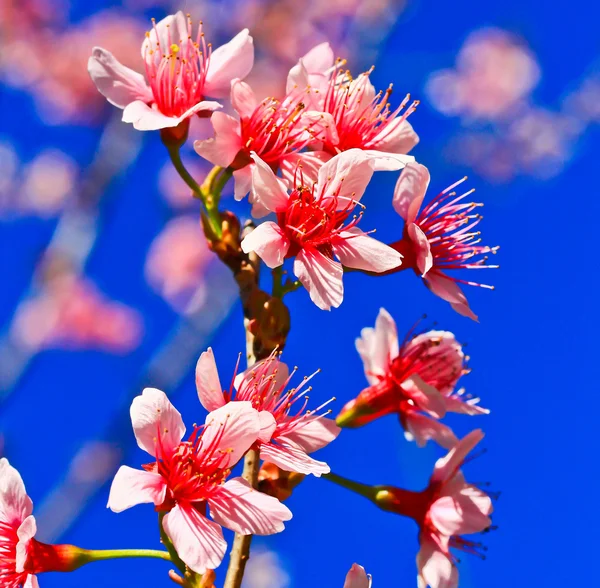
[(174, 48)]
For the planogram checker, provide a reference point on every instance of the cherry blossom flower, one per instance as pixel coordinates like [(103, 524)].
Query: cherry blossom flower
[(363, 118), (287, 435), (180, 71), (447, 509), (415, 379), (186, 476), (357, 578), (276, 130), (439, 236), (314, 224)]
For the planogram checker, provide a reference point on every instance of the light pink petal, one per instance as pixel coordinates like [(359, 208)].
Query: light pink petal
[(459, 515), (310, 162), (208, 384), (272, 369), (246, 511), (410, 191), (25, 533), (313, 433), (312, 70), (322, 277), (449, 291), (171, 30), (399, 137), (320, 127), (198, 541), (422, 248), (386, 161), (231, 429), (204, 106), (31, 582), (117, 83), (15, 505), (227, 141), (357, 578), (319, 59), (153, 415), (269, 243), (378, 346), (422, 428), (478, 498), (243, 98), (347, 175), (459, 405), (447, 466), (230, 61), (292, 459), (131, 487), (267, 189), (145, 118), (425, 396), (435, 568), (357, 250), (268, 424), (243, 182)]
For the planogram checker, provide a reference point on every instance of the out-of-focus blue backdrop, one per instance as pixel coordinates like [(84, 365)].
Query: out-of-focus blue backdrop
[(522, 125)]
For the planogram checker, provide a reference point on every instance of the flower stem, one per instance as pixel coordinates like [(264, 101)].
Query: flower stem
[(369, 492), (106, 554), (175, 156)]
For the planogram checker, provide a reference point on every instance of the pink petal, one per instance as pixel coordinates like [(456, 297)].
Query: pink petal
[(459, 515), (131, 487), (313, 433), (425, 396), (311, 162), (231, 429), (198, 541), (357, 578), (271, 368), (25, 533), (208, 385), (470, 406), (422, 248), (319, 59), (117, 83), (152, 414), (145, 118), (15, 505), (31, 582), (320, 127), (410, 191), (268, 424), (243, 98), (267, 188), (447, 466), (399, 137), (203, 106), (357, 250), (346, 175), (232, 60), (322, 277), (435, 568), (292, 459), (449, 291), (423, 428), (386, 161), (246, 511), (173, 29), (378, 346), (227, 141), (243, 182), (311, 70), (268, 242)]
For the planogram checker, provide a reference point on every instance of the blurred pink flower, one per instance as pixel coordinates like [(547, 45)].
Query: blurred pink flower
[(439, 236), (311, 225), (187, 476), (176, 263), (72, 312), (285, 439), (180, 71), (357, 578), (414, 378)]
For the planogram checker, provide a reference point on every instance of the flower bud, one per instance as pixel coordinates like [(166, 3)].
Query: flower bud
[(41, 557)]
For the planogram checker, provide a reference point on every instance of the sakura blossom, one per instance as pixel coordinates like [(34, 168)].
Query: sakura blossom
[(363, 118), (189, 475), (288, 431), (180, 71), (276, 130), (357, 578), (414, 378), (445, 511), (439, 236), (17, 529), (314, 225)]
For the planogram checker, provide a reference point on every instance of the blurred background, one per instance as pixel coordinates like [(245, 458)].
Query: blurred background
[(108, 286)]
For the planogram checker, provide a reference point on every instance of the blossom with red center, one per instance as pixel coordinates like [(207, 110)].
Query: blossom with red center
[(439, 236), (363, 118), (288, 432), (415, 379), (447, 509), (187, 476), (357, 578), (276, 130), (315, 222), (180, 71)]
